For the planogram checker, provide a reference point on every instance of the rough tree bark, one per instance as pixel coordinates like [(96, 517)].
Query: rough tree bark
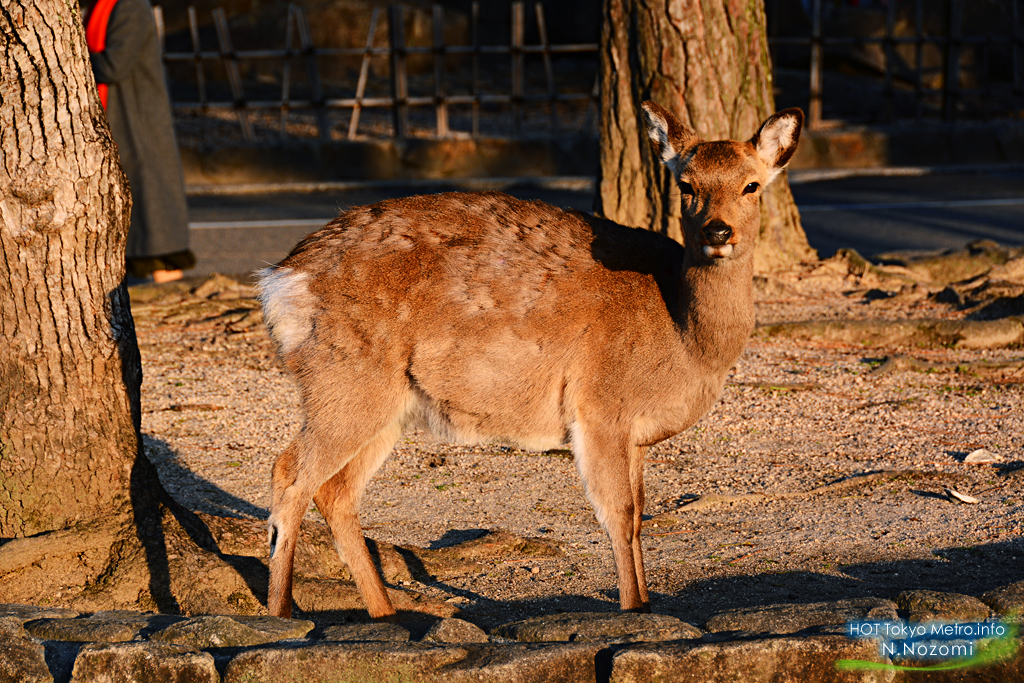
[(67, 432), (84, 520), (707, 61)]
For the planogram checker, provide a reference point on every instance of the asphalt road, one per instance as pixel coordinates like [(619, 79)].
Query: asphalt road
[(910, 210), (879, 214)]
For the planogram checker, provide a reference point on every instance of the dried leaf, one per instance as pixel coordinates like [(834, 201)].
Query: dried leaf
[(981, 456), (961, 497)]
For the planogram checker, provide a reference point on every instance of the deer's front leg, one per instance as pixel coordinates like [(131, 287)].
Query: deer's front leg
[(612, 478)]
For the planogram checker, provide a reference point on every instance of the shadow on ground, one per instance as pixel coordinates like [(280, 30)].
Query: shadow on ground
[(238, 534), (203, 495)]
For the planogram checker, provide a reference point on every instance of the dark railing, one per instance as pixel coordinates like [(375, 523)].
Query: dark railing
[(396, 52), (898, 86), (997, 89)]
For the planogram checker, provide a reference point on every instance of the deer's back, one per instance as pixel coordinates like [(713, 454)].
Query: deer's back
[(486, 302), (482, 254)]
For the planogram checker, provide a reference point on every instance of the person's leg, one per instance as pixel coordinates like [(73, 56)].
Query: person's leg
[(162, 276)]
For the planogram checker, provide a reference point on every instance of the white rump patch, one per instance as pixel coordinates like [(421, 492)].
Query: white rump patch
[(288, 306)]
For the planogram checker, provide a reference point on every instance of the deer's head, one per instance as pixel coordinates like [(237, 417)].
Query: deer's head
[(721, 181)]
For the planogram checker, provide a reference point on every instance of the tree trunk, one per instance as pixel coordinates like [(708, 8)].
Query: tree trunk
[(708, 63), (69, 364), (84, 520)]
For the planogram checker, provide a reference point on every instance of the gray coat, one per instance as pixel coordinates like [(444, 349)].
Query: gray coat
[(139, 115)]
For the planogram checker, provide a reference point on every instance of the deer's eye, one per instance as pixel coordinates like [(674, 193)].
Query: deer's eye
[(686, 188), (751, 188)]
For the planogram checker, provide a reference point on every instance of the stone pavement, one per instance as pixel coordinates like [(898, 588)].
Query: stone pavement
[(774, 643)]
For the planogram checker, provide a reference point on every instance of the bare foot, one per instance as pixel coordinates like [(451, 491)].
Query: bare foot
[(162, 276)]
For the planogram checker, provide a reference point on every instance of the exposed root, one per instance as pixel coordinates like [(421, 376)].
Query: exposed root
[(839, 486), (1004, 370), (967, 334), (125, 564)]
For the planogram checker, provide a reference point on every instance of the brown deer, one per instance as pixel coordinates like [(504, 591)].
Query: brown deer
[(492, 318)]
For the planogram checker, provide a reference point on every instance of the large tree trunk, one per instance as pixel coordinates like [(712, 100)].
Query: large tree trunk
[(84, 520), (708, 63), (69, 364)]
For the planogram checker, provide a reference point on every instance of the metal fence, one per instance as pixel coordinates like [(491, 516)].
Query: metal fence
[(975, 75)]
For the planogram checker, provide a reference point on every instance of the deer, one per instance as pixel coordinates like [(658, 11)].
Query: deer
[(489, 318)]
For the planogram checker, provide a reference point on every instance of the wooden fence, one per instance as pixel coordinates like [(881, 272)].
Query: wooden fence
[(990, 97), (396, 52)]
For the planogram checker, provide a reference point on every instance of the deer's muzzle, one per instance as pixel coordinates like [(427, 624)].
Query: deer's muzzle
[(716, 233)]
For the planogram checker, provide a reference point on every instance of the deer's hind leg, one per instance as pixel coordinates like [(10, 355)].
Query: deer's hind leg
[(338, 501), (283, 529), (340, 431)]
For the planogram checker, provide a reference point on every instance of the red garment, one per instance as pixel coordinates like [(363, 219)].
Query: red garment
[(96, 34)]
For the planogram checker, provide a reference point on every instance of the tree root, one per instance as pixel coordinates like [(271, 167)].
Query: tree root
[(966, 334), (126, 564), (840, 486), (1005, 370)]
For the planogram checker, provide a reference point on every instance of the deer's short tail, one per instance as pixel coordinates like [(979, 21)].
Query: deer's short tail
[(288, 306)]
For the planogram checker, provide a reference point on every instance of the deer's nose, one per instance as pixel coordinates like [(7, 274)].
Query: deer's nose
[(716, 233)]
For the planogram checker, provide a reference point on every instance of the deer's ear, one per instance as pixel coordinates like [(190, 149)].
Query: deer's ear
[(670, 138), (777, 139)]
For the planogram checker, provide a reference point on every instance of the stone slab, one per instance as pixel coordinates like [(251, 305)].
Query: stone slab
[(120, 662), (1007, 601), (418, 663), (22, 660), (922, 605), (364, 662), (793, 618), (355, 633), (597, 627), (29, 612), (232, 631), (529, 663), (455, 631), (768, 660), (88, 630)]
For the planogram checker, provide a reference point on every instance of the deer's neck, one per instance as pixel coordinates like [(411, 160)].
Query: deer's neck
[(717, 309), (715, 318)]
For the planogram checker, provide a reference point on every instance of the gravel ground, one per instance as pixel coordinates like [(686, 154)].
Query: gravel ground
[(814, 478)]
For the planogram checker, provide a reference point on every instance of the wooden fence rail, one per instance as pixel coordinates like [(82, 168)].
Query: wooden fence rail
[(397, 53), (952, 43), (519, 97)]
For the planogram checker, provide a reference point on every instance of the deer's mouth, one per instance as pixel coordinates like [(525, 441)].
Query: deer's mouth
[(717, 251)]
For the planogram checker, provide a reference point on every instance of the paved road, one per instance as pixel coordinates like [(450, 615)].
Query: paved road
[(926, 212), (872, 214)]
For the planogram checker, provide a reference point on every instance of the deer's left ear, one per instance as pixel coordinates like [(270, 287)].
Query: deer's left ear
[(777, 139), (670, 138)]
